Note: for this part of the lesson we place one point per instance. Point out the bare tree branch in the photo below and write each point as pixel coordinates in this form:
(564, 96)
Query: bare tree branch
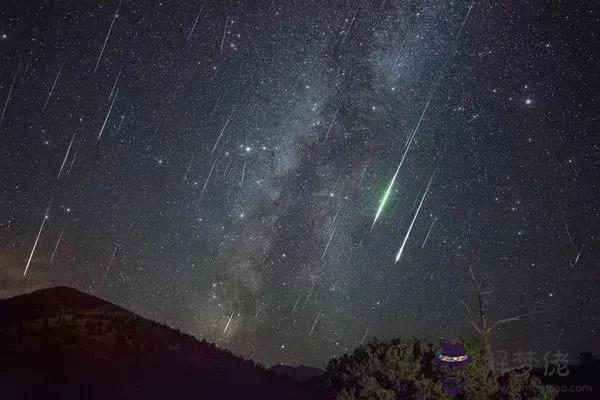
(470, 319)
(474, 326)
(468, 310)
(477, 284)
(515, 318)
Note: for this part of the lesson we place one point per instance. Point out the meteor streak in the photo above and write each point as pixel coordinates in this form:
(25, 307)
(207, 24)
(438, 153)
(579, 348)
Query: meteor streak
(462, 25)
(362, 174)
(222, 130)
(37, 238)
(315, 323)
(107, 35)
(362, 239)
(226, 168)
(332, 123)
(228, 322)
(308, 297)
(120, 124)
(195, 22)
(329, 241)
(208, 177)
(57, 243)
(413, 220)
(224, 32)
(296, 304)
(108, 114)
(66, 156)
(428, 232)
(75, 155)
(349, 27)
(389, 189)
(364, 336)
(111, 260)
(9, 93)
(115, 84)
(565, 223)
(54, 84)
(243, 173)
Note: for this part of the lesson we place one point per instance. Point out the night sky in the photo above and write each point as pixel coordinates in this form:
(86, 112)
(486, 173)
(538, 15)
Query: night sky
(218, 167)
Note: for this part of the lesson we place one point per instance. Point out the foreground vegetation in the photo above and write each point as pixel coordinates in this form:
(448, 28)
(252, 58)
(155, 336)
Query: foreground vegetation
(404, 370)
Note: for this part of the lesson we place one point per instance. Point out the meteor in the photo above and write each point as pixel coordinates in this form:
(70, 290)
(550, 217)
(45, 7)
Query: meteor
(308, 297)
(9, 93)
(296, 304)
(115, 84)
(107, 35)
(208, 177)
(362, 174)
(54, 84)
(57, 243)
(111, 260)
(462, 25)
(315, 323)
(108, 114)
(195, 22)
(226, 168)
(364, 336)
(224, 32)
(391, 185)
(414, 219)
(66, 156)
(222, 130)
(37, 238)
(349, 27)
(329, 241)
(120, 124)
(565, 223)
(228, 322)
(75, 155)
(428, 232)
(332, 123)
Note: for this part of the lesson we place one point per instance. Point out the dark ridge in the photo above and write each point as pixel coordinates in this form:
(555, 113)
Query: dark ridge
(60, 343)
(50, 302)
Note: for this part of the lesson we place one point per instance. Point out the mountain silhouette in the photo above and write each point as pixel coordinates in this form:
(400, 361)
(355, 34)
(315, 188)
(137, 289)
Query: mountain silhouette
(60, 343)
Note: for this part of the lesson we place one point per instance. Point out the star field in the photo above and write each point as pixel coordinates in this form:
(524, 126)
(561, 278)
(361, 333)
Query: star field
(218, 167)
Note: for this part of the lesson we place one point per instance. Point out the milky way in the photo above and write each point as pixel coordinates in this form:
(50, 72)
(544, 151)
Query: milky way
(218, 167)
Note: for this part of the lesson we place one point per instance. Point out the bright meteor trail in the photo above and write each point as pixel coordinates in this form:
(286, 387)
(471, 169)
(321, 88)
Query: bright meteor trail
(222, 131)
(413, 220)
(37, 238)
(391, 185)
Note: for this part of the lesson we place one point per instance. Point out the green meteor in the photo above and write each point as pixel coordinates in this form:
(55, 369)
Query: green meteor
(410, 140)
(386, 195)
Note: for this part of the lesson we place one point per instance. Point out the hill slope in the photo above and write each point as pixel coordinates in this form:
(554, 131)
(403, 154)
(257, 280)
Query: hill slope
(62, 343)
